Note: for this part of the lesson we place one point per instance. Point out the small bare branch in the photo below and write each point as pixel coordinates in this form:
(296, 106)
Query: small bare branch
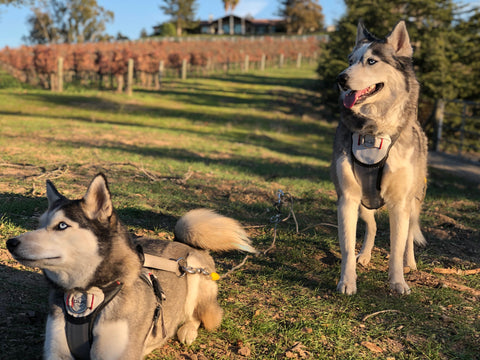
(235, 268)
(378, 313)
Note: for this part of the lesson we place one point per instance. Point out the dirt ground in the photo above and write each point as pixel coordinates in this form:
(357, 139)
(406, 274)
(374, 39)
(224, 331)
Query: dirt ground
(456, 165)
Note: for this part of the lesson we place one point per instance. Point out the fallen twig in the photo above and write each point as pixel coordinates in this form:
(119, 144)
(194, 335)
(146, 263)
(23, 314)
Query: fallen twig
(456, 271)
(272, 245)
(235, 267)
(187, 176)
(320, 224)
(378, 313)
(148, 174)
(18, 166)
(52, 174)
(458, 287)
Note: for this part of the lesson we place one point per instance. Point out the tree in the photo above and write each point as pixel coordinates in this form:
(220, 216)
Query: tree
(121, 37)
(15, 2)
(182, 13)
(85, 20)
(143, 34)
(230, 4)
(301, 16)
(67, 21)
(165, 29)
(42, 28)
(440, 38)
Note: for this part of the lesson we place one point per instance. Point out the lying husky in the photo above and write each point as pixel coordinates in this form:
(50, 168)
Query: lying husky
(108, 300)
(380, 153)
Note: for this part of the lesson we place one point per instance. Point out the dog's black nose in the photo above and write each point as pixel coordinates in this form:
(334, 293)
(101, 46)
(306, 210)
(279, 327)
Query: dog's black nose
(12, 244)
(342, 79)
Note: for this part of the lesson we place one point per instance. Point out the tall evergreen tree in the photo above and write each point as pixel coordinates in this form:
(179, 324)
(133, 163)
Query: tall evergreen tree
(301, 16)
(182, 13)
(439, 33)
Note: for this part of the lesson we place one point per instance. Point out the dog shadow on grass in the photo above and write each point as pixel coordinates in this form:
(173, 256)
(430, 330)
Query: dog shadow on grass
(23, 291)
(23, 312)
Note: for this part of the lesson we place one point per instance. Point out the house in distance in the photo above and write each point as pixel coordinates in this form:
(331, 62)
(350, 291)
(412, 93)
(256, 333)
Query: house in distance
(236, 25)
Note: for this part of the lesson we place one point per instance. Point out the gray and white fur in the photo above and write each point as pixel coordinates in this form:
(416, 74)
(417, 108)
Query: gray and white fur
(379, 98)
(81, 244)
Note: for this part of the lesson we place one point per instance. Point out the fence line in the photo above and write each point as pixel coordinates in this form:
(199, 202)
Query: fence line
(106, 63)
(125, 82)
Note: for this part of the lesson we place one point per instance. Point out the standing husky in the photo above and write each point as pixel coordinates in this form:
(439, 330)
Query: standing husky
(380, 153)
(104, 302)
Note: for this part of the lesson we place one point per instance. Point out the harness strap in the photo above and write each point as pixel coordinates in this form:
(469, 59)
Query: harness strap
(370, 179)
(161, 263)
(79, 329)
(369, 155)
(153, 282)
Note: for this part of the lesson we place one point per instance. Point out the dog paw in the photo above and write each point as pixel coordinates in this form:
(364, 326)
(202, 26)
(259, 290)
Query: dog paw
(412, 265)
(363, 259)
(187, 333)
(400, 287)
(348, 288)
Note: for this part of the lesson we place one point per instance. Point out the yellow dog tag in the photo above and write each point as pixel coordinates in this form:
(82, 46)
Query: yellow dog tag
(214, 276)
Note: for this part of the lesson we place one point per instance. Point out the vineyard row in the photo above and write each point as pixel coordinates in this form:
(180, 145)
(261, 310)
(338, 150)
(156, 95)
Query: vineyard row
(104, 63)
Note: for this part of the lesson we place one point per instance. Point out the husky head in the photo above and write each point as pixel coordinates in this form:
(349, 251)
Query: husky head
(79, 243)
(380, 79)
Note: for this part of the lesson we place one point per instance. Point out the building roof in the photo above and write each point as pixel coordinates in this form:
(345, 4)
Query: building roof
(248, 19)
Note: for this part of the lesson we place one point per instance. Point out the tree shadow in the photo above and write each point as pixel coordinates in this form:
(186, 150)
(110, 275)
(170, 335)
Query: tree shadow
(142, 116)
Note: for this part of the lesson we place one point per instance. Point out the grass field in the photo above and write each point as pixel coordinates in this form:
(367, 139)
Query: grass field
(230, 144)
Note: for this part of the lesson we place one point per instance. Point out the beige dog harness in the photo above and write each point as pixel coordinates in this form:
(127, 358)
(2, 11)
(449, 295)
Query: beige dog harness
(83, 307)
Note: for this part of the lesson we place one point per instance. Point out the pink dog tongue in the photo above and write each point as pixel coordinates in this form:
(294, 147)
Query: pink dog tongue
(351, 98)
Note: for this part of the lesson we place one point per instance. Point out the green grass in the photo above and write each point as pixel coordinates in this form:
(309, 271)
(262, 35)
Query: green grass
(230, 143)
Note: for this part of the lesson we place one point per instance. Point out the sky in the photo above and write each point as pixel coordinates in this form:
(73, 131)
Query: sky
(133, 16)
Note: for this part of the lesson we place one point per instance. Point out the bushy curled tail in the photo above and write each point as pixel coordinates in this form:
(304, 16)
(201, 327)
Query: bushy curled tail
(414, 228)
(418, 237)
(205, 229)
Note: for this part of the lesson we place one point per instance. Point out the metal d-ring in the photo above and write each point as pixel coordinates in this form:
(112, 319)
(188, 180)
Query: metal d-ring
(190, 270)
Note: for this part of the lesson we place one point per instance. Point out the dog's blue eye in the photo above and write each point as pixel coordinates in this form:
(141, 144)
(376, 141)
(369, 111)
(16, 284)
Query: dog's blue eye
(62, 226)
(371, 61)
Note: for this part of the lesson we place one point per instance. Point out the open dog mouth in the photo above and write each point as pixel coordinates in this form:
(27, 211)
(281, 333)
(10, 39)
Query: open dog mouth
(353, 97)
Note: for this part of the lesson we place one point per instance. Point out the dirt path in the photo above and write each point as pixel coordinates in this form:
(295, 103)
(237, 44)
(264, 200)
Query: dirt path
(456, 165)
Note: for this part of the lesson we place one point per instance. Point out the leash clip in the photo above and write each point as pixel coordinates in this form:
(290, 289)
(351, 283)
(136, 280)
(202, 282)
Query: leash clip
(182, 263)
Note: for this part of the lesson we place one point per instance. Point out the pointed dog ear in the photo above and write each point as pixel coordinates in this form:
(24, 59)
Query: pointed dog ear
(52, 194)
(400, 40)
(97, 202)
(361, 32)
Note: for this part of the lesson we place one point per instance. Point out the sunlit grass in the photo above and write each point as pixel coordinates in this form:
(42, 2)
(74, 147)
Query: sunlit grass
(230, 143)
